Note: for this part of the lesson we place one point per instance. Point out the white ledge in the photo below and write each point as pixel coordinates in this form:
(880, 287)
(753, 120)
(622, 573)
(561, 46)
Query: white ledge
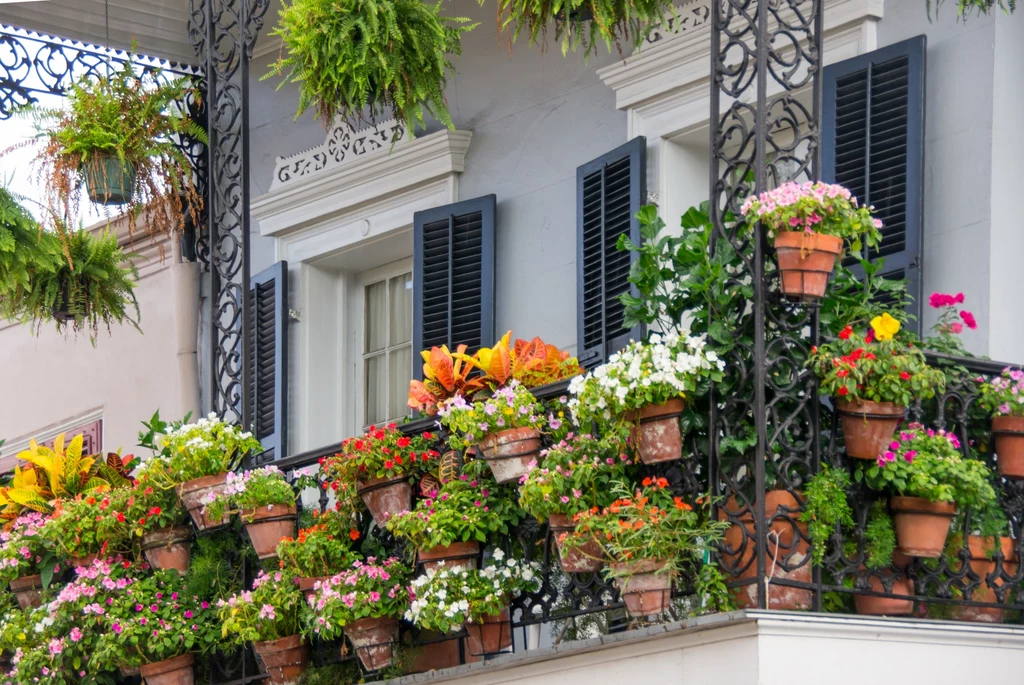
(683, 59)
(328, 193)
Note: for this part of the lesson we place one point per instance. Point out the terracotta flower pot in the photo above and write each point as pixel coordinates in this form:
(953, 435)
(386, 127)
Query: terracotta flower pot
(491, 635)
(868, 427)
(1009, 435)
(373, 640)
(306, 584)
(28, 590)
(86, 560)
(982, 550)
(787, 552)
(806, 261)
(458, 555)
(176, 671)
(921, 526)
(585, 558)
(168, 548)
(645, 591)
(285, 659)
(267, 525)
(887, 606)
(510, 452)
(434, 652)
(385, 497)
(191, 494)
(657, 435)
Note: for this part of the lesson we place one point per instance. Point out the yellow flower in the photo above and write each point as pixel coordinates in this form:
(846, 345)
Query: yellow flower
(885, 327)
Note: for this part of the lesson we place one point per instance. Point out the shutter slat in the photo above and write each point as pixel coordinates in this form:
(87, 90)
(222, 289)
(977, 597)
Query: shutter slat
(268, 361)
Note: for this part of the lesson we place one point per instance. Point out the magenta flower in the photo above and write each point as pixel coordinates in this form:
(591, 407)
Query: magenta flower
(969, 319)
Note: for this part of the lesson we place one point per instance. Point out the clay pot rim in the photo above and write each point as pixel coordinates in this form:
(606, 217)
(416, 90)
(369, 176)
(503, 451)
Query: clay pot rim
(654, 412)
(905, 504)
(461, 551)
(503, 616)
(870, 409)
(372, 484)
(744, 513)
(977, 549)
(173, 534)
(32, 582)
(282, 644)
(530, 433)
(653, 566)
(798, 240)
(265, 514)
(561, 522)
(167, 665)
(203, 482)
(1008, 425)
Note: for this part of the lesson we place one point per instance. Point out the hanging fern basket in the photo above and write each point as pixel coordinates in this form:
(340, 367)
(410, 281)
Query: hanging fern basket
(62, 305)
(108, 180)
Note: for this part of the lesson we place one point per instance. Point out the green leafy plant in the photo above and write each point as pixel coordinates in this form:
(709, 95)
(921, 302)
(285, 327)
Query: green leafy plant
(826, 508)
(137, 118)
(816, 207)
(86, 525)
(207, 447)
(22, 549)
(573, 476)
(650, 523)
(271, 611)
(879, 537)
(368, 590)
(169, 623)
(1004, 395)
(510, 407)
(94, 285)
(246, 492)
(212, 571)
(585, 23)
(147, 506)
(322, 549)
(670, 365)
(965, 8)
(853, 300)
(446, 599)
(383, 452)
(879, 366)
(926, 463)
(356, 57)
(462, 511)
(26, 252)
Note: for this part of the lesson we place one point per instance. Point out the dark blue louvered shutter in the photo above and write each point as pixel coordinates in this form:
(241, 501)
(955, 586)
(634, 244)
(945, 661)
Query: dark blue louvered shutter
(268, 361)
(609, 192)
(873, 143)
(453, 277)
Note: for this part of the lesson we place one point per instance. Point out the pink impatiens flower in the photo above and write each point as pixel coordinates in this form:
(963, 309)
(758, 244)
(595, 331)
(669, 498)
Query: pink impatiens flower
(969, 319)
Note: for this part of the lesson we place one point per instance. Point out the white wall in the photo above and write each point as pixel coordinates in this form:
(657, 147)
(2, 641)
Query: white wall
(535, 117)
(51, 379)
(958, 155)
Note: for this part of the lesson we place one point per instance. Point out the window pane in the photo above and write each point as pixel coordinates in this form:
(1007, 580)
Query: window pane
(401, 309)
(376, 316)
(399, 376)
(375, 389)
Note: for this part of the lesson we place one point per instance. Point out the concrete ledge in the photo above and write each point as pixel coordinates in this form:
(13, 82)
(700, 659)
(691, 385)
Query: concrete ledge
(759, 648)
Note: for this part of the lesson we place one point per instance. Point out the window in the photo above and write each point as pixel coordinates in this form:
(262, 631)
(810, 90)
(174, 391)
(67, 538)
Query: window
(386, 345)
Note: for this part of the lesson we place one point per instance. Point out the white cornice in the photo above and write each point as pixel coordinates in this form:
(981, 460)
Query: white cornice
(683, 59)
(331, 192)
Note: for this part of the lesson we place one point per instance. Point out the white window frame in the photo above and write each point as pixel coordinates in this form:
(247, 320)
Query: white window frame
(357, 312)
(331, 220)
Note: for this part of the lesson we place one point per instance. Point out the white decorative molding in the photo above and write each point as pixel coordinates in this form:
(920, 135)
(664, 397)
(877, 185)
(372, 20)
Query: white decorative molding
(689, 16)
(343, 145)
(680, 59)
(366, 177)
(12, 447)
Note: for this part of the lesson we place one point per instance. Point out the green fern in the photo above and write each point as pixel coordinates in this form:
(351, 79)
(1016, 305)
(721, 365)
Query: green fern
(27, 254)
(351, 57)
(584, 23)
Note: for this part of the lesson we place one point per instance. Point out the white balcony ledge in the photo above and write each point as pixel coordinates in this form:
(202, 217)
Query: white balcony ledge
(763, 648)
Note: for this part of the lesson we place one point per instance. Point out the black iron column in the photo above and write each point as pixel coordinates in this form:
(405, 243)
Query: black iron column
(223, 33)
(765, 130)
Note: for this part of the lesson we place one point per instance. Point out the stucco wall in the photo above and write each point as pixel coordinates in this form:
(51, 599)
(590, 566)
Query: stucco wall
(959, 106)
(535, 117)
(50, 379)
